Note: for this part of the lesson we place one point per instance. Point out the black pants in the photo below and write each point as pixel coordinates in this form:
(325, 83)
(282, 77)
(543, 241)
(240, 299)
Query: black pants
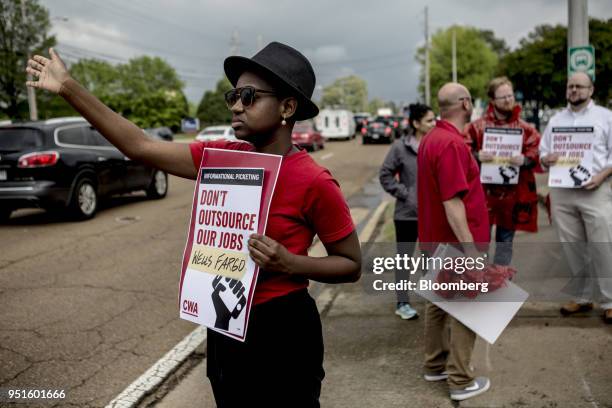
(406, 233)
(281, 362)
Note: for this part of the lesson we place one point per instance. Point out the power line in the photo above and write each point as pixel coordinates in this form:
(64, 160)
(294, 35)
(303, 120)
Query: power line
(83, 53)
(146, 19)
(161, 52)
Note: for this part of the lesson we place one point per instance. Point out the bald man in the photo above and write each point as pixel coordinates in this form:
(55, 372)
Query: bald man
(583, 214)
(451, 209)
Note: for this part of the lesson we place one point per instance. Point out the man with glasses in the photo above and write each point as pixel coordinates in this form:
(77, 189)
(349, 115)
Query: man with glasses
(583, 214)
(512, 207)
(451, 209)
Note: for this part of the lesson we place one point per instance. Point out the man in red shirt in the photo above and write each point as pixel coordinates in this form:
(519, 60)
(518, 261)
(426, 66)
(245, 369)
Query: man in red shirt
(451, 208)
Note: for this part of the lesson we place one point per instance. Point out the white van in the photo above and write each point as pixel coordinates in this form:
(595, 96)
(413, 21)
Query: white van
(336, 123)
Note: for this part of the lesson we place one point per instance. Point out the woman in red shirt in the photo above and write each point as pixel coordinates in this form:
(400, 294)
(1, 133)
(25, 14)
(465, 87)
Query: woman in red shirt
(281, 361)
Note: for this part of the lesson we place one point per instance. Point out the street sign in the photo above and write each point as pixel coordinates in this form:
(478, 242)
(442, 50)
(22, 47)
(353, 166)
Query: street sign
(581, 59)
(190, 125)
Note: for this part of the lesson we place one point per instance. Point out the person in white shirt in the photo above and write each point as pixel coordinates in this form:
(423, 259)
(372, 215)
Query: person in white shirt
(584, 214)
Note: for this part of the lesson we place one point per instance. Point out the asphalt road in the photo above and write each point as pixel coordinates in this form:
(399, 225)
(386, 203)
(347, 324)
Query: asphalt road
(88, 307)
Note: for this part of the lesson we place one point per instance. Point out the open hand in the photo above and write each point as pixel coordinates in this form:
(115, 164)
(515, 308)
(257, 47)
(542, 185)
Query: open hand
(51, 73)
(269, 254)
(595, 181)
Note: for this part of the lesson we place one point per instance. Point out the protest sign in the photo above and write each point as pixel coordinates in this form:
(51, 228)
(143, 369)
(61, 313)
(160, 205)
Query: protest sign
(231, 202)
(488, 314)
(503, 144)
(575, 165)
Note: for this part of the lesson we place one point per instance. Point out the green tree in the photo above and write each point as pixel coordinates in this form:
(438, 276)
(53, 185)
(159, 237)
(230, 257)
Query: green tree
(149, 93)
(350, 92)
(212, 109)
(497, 44)
(18, 37)
(600, 34)
(147, 75)
(476, 61)
(146, 90)
(99, 77)
(538, 67)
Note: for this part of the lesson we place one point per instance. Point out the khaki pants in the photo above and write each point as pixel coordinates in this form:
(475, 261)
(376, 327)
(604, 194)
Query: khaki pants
(455, 358)
(585, 217)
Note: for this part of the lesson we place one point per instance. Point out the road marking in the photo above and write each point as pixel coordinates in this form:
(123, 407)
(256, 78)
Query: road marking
(326, 156)
(368, 230)
(158, 373)
(585, 385)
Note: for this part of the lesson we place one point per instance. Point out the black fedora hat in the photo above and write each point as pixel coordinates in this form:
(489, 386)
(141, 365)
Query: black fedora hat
(285, 65)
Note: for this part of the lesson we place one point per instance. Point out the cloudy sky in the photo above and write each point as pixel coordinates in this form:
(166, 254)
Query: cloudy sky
(375, 39)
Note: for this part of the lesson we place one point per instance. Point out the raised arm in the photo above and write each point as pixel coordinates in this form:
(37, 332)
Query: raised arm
(52, 75)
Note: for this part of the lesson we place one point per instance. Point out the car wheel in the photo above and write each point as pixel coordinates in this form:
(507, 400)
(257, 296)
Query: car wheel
(159, 185)
(84, 201)
(314, 147)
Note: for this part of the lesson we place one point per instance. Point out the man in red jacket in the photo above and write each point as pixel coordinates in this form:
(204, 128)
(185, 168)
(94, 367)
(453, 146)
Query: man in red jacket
(511, 207)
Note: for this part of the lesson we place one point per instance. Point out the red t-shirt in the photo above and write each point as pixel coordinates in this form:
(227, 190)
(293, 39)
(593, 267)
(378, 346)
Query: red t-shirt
(446, 168)
(307, 201)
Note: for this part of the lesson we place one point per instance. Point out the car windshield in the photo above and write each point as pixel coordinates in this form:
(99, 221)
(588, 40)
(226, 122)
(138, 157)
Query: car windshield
(212, 132)
(14, 140)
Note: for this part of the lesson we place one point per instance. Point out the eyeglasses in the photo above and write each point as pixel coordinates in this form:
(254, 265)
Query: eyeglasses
(505, 97)
(246, 94)
(578, 87)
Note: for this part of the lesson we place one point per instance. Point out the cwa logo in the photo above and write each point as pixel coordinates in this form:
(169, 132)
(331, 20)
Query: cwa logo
(190, 307)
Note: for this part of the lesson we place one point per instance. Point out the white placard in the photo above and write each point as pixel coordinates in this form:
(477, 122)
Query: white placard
(575, 165)
(220, 273)
(503, 144)
(488, 314)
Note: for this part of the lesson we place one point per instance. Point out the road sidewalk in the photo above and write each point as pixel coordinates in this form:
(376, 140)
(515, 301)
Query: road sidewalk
(374, 359)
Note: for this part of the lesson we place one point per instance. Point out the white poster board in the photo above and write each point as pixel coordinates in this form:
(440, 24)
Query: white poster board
(220, 273)
(575, 148)
(488, 314)
(503, 144)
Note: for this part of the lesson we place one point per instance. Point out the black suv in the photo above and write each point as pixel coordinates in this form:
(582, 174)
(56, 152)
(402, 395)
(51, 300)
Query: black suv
(64, 163)
(379, 130)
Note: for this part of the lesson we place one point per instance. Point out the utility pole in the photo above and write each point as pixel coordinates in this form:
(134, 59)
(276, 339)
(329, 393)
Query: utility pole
(31, 92)
(454, 55)
(427, 80)
(235, 43)
(578, 23)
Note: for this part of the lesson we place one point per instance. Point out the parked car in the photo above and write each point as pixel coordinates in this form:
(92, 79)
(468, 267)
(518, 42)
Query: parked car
(211, 133)
(306, 135)
(64, 163)
(164, 133)
(361, 120)
(336, 124)
(378, 130)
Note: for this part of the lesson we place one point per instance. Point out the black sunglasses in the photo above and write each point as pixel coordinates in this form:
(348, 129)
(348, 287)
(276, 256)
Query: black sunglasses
(246, 94)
